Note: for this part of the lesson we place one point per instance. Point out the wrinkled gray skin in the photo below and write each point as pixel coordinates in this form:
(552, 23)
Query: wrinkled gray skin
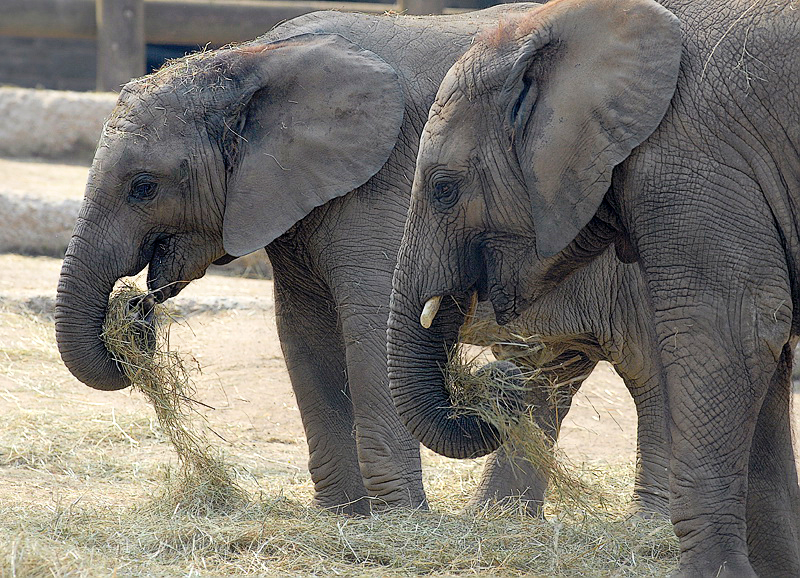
(673, 136)
(599, 313)
(230, 151)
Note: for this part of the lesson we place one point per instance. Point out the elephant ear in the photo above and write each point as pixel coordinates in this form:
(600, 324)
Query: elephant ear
(319, 117)
(592, 79)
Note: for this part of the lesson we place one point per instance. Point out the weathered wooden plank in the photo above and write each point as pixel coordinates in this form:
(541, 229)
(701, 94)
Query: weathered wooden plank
(169, 21)
(48, 18)
(120, 42)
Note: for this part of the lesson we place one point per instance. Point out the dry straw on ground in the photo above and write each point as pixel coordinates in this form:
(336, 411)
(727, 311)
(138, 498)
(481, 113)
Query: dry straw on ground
(499, 400)
(88, 507)
(283, 536)
(141, 348)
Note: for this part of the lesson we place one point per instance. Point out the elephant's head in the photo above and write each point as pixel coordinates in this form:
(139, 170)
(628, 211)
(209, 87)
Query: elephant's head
(513, 167)
(218, 153)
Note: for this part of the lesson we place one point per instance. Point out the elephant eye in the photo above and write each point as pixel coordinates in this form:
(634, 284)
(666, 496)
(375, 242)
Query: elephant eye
(143, 188)
(445, 193)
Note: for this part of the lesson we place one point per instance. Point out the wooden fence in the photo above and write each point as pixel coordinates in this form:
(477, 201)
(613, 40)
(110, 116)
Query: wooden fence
(123, 28)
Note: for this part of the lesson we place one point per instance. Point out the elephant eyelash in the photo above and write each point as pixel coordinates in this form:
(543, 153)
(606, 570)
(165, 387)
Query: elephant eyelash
(143, 188)
(445, 191)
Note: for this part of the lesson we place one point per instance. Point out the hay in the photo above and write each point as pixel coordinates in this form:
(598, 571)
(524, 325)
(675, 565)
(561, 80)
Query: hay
(78, 483)
(495, 399)
(282, 536)
(141, 347)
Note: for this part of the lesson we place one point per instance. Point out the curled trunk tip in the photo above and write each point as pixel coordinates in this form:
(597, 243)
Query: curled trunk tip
(417, 358)
(79, 313)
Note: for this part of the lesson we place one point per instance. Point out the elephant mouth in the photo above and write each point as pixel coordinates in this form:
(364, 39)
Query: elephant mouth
(486, 287)
(160, 283)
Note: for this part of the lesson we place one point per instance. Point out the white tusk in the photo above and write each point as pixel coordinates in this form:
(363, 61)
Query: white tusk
(429, 311)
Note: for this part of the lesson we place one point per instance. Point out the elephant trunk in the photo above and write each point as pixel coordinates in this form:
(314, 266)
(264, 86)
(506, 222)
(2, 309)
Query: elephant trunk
(81, 304)
(418, 359)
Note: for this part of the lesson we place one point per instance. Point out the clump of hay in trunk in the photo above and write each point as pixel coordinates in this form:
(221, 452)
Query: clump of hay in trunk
(141, 348)
(495, 398)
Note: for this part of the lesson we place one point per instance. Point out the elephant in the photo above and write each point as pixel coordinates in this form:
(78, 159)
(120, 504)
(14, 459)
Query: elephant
(303, 142)
(668, 134)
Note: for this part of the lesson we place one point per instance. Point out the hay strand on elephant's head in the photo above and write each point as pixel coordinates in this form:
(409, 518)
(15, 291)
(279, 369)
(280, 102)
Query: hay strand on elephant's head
(141, 348)
(486, 395)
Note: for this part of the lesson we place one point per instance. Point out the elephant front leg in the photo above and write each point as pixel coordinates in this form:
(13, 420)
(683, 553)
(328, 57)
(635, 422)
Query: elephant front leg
(388, 455)
(719, 358)
(711, 427)
(509, 474)
(315, 358)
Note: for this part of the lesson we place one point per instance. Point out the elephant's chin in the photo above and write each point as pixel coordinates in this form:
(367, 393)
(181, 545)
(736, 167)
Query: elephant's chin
(167, 274)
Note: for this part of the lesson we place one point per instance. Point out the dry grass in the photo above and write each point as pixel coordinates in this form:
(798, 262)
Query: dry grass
(280, 535)
(499, 399)
(91, 501)
(142, 350)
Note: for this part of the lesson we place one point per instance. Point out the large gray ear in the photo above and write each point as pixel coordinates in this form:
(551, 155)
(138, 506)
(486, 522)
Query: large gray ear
(592, 80)
(320, 118)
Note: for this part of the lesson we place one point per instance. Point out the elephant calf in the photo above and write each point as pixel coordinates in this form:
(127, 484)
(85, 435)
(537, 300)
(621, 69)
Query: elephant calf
(302, 141)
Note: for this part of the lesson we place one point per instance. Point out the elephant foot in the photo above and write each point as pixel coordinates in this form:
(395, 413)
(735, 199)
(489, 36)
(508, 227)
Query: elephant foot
(372, 499)
(649, 507)
(407, 500)
(527, 506)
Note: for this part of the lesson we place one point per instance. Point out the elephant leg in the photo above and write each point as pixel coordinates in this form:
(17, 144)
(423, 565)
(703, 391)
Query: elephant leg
(651, 482)
(720, 347)
(388, 455)
(509, 474)
(711, 430)
(507, 477)
(315, 358)
(773, 496)
(721, 298)
(640, 370)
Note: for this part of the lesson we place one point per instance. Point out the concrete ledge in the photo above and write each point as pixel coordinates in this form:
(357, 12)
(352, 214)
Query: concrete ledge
(39, 203)
(52, 124)
(35, 226)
